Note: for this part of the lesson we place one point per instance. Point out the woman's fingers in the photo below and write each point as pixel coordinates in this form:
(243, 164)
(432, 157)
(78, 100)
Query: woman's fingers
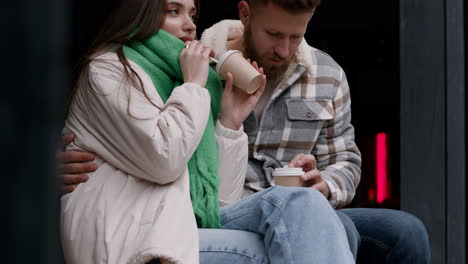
(194, 62)
(255, 65)
(261, 89)
(199, 47)
(195, 47)
(229, 82)
(212, 53)
(206, 51)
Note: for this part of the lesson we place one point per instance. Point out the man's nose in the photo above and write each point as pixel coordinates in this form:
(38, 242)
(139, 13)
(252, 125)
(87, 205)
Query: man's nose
(282, 48)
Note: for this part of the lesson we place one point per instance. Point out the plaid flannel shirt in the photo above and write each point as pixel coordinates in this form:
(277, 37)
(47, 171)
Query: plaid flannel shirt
(309, 112)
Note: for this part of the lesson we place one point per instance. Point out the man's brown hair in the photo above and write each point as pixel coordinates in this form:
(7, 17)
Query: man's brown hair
(293, 6)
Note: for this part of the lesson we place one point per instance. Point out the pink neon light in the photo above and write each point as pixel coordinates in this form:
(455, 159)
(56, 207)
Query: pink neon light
(381, 167)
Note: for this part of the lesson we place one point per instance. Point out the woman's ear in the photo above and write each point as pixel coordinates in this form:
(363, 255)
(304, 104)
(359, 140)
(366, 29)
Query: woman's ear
(244, 12)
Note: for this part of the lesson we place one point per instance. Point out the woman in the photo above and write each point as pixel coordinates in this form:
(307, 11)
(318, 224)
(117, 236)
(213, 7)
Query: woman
(144, 127)
(154, 120)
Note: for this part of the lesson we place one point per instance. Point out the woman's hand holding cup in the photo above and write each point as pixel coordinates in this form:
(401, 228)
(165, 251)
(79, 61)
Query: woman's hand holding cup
(194, 62)
(236, 104)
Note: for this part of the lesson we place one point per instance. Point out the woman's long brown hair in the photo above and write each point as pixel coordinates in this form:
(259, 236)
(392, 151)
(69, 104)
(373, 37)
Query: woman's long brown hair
(128, 15)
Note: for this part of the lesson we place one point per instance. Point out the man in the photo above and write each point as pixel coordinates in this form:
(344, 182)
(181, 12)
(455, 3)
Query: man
(303, 120)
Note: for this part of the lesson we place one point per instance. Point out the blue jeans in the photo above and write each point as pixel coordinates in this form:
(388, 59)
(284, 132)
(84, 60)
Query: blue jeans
(354, 238)
(385, 236)
(283, 224)
(224, 246)
(389, 236)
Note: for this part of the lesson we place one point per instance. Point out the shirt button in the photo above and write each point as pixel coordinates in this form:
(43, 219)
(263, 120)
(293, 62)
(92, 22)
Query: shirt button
(309, 114)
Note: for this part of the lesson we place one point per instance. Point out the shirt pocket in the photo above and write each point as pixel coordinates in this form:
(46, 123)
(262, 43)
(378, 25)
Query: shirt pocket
(310, 110)
(304, 120)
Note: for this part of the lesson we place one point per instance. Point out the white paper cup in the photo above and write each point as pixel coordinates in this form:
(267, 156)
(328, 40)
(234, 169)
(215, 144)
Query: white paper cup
(246, 77)
(289, 177)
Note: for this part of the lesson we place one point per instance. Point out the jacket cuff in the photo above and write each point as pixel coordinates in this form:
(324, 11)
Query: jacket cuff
(333, 193)
(227, 132)
(197, 87)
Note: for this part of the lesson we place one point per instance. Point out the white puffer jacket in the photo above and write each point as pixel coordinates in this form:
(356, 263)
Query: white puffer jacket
(136, 206)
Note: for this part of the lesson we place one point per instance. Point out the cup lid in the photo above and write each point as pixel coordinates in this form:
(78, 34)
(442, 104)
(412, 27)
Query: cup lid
(285, 171)
(223, 57)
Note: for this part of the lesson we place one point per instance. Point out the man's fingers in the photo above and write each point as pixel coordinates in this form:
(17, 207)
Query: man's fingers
(75, 156)
(307, 159)
(294, 161)
(307, 162)
(312, 177)
(64, 189)
(72, 179)
(69, 182)
(67, 139)
(302, 159)
(77, 168)
(322, 187)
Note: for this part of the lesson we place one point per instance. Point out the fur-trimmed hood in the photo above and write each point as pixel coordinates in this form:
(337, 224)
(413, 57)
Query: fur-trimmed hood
(217, 36)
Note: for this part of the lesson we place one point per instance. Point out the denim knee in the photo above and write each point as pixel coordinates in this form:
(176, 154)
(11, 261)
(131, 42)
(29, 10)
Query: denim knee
(305, 202)
(414, 235)
(354, 239)
(297, 197)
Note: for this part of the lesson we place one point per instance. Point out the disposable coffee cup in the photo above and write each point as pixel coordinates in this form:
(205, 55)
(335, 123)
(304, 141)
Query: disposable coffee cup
(289, 177)
(246, 77)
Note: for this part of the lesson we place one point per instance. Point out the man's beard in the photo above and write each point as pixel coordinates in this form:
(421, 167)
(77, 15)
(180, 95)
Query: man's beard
(271, 71)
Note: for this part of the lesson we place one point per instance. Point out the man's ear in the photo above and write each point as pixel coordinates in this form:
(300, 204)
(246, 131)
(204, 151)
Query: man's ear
(244, 12)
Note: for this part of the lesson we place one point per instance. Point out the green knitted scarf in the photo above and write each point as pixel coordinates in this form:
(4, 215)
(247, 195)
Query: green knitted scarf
(158, 56)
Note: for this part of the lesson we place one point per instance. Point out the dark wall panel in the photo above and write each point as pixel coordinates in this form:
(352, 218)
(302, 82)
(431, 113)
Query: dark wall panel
(422, 117)
(456, 130)
(433, 122)
(34, 74)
